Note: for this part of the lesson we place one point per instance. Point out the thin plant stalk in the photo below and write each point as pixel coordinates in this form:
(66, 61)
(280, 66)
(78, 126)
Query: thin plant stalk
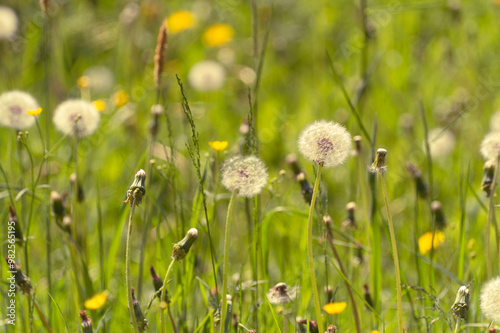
(491, 218)
(229, 218)
(162, 297)
(127, 269)
(394, 253)
(310, 250)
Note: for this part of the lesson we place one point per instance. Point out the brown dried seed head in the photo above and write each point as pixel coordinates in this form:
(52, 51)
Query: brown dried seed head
(160, 51)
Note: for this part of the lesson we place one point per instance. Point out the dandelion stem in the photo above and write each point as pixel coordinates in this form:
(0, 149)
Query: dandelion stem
(310, 250)
(457, 326)
(127, 268)
(162, 297)
(230, 209)
(394, 253)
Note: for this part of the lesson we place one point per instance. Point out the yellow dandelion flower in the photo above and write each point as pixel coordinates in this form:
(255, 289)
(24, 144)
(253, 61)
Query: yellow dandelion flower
(335, 307)
(218, 34)
(375, 331)
(34, 112)
(120, 98)
(83, 82)
(218, 145)
(424, 241)
(180, 20)
(100, 105)
(96, 301)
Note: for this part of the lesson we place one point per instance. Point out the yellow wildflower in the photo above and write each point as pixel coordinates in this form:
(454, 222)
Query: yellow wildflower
(218, 34)
(34, 112)
(424, 241)
(180, 20)
(100, 105)
(218, 145)
(83, 82)
(335, 307)
(120, 98)
(96, 301)
(375, 331)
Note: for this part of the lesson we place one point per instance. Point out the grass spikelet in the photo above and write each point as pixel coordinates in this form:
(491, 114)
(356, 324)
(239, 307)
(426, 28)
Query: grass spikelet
(160, 52)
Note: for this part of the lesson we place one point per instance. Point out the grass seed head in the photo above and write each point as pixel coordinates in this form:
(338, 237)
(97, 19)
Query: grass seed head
(14, 107)
(245, 174)
(160, 52)
(325, 142)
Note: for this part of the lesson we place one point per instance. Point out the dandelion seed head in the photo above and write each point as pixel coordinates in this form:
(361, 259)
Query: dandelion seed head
(325, 142)
(490, 146)
(281, 294)
(489, 300)
(101, 79)
(14, 107)
(207, 75)
(441, 143)
(245, 174)
(76, 117)
(8, 23)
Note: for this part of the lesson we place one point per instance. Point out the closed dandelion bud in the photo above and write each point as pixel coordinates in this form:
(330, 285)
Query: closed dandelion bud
(156, 112)
(292, 160)
(378, 166)
(252, 331)
(325, 142)
(350, 221)
(182, 248)
(281, 294)
(368, 296)
(306, 188)
(158, 283)
(327, 220)
(461, 304)
(329, 294)
(80, 194)
(57, 205)
(13, 222)
(422, 188)
(332, 329)
(488, 175)
(137, 190)
(437, 212)
(313, 325)
(492, 330)
(22, 281)
(142, 323)
(357, 145)
(228, 310)
(247, 175)
(66, 223)
(86, 322)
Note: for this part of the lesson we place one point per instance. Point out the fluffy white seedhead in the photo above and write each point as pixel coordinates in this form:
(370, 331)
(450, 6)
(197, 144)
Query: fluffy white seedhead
(206, 76)
(101, 78)
(8, 23)
(490, 146)
(495, 121)
(441, 143)
(245, 174)
(67, 112)
(325, 142)
(281, 294)
(490, 299)
(13, 107)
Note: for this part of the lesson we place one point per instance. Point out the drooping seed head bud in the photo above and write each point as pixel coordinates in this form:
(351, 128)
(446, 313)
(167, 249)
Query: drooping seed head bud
(332, 329)
(367, 294)
(182, 248)
(22, 281)
(14, 222)
(156, 112)
(327, 220)
(57, 205)
(74, 181)
(281, 294)
(137, 190)
(422, 188)
(488, 175)
(292, 160)
(461, 304)
(86, 322)
(313, 325)
(350, 221)
(142, 323)
(437, 212)
(329, 293)
(158, 283)
(357, 145)
(306, 188)
(378, 166)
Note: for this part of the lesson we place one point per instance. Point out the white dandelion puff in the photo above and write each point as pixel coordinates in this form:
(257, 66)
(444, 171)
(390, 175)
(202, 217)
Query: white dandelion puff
(76, 117)
(245, 174)
(490, 146)
(207, 76)
(325, 142)
(441, 143)
(281, 294)
(490, 299)
(8, 23)
(101, 78)
(14, 105)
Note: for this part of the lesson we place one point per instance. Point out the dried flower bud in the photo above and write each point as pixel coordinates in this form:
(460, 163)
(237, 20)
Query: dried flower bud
(329, 294)
(13, 222)
(378, 166)
(437, 212)
(461, 304)
(313, 325)
(22, 281)
(357, 145)
(368, 296)
(156, 112)
(86, 322)
(492, 330)
(73, 179)
(306, 188)
(158, 284)
(182, 248)
(57, 206)
(488, 175)
(281, 294)
(332, 329)
(137, 190)
(422, 188)
(350, 221)
(142, 323)
(292, 160)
